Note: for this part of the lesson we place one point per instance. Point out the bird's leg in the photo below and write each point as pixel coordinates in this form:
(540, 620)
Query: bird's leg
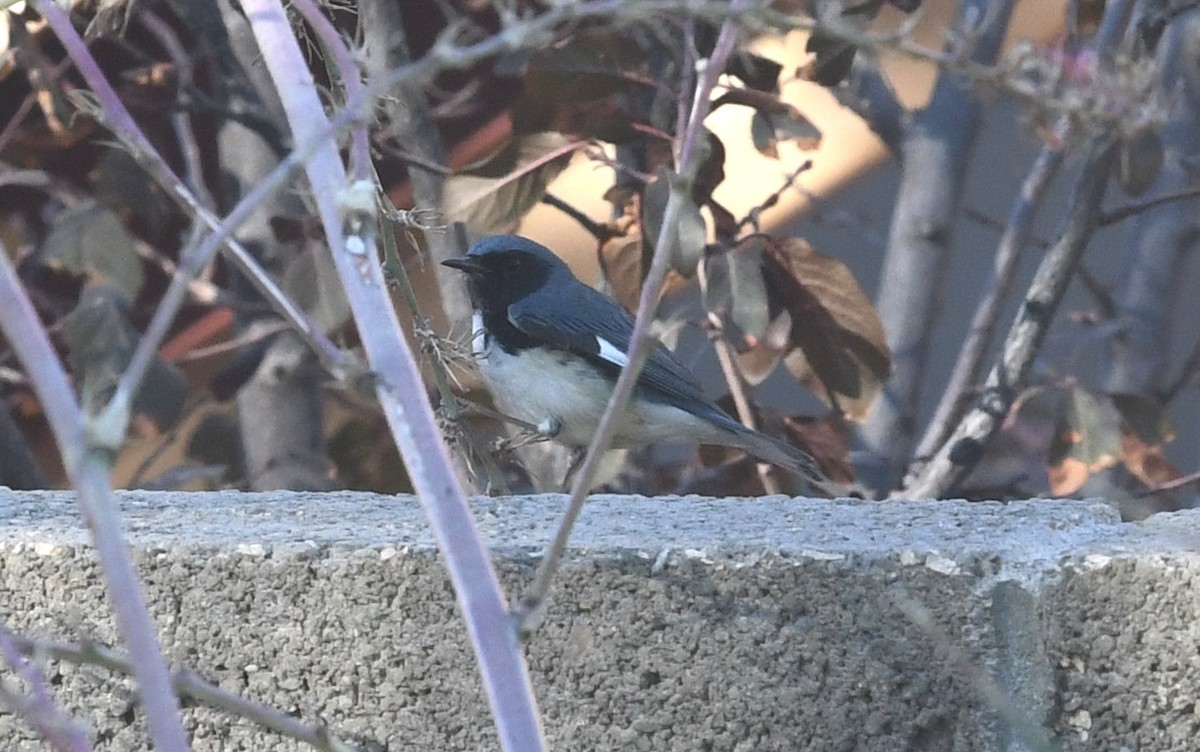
(546, 430)
(576, 461)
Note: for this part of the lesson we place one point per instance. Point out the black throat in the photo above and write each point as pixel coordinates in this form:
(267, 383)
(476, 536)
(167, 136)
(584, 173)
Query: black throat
(504, 283)
(500, 331)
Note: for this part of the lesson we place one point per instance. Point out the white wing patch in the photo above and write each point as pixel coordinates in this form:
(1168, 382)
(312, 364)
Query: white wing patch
(611, 352)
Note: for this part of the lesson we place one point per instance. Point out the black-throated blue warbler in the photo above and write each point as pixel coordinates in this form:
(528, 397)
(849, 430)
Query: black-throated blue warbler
(551, 348)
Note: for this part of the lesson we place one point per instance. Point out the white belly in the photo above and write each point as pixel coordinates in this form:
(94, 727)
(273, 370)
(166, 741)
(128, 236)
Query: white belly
(575, 399)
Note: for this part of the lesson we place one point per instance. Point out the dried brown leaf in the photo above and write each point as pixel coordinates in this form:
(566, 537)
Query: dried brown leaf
(841, 351)
(576, 86)
(1145, 430)
(774, 121)
(735, 293)
(100, 341)
(1146, 417)
(758, 362)
(1087, 440)
(827, 440)
(89, 240)
(689, 235)
(590, 65)
(492, 196)
(1146, 461)
(624, 258)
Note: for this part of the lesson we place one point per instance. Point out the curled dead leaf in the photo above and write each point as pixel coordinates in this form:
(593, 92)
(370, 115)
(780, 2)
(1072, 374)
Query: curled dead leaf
(100, 341)
(90, 240)
(1147, 462)
(735, 293)
(840, 350)
(1145, 430)
(827, 440)
(687, 237)
(624, 258)
(774, 121)
(759, 361)
(1087, 440)
(492, 195)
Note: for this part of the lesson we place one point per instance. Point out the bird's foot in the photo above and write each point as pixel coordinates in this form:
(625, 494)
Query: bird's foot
(550, 427)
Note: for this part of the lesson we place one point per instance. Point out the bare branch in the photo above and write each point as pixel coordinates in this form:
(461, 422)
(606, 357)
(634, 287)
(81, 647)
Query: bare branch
(88, 471)
(39, 708)
(959, 453)
(936, 150)
(1165, 232)
(966, 370)
(1122, 213)
(528, 611)
(345, 208)
(189, 685)
(593, 228)
(1172, 485)
(751, 220)
(738, 390)
(410, 123)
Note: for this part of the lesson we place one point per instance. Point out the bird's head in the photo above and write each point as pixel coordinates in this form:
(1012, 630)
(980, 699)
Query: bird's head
(506, 268)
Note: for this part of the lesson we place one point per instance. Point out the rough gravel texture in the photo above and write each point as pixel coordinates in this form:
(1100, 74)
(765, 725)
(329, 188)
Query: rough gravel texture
(678, 624)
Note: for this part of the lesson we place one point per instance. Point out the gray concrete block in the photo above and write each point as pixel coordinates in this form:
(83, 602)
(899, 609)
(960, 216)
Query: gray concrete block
(678, 624)
(1122, 625)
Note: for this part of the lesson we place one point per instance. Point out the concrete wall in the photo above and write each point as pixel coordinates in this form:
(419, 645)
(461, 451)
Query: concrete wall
(679, 624)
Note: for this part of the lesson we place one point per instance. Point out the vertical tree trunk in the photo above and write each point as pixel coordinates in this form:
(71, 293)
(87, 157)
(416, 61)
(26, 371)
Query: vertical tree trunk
(1161, 238)
(936, 150)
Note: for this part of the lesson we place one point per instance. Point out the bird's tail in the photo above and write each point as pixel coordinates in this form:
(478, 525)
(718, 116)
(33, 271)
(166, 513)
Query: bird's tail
(784, 455)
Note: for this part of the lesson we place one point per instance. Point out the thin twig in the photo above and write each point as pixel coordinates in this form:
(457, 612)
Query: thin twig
(528, 611)
(345, 208)
(163, 444)
(737, 387)
(964, 448)
(1122, 213)
(189, 685)
(745, 414)
(88, 470)
(753, 216)
(47, 718)
(14, 122)
(970, 360)
(393, 269)
(1170, 485)
(184, 135)
(594, 228)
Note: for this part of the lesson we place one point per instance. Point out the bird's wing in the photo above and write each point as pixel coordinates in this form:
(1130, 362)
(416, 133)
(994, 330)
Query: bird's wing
(591, 325)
